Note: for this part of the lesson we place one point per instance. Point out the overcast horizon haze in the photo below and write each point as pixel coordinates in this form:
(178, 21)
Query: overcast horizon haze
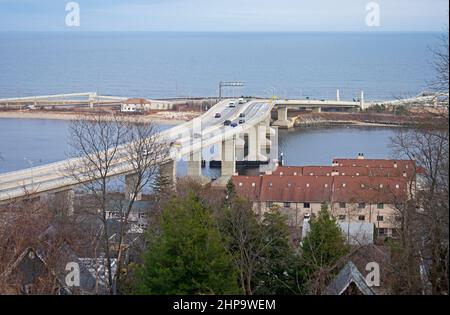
(225, 16)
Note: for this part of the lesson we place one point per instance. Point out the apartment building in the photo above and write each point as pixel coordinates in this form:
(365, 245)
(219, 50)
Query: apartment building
(355, 190)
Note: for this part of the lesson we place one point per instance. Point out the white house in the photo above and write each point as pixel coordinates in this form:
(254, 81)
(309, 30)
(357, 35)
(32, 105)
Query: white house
(136, 105)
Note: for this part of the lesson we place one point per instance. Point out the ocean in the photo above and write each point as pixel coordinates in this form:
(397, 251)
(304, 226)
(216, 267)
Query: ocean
(163, 65)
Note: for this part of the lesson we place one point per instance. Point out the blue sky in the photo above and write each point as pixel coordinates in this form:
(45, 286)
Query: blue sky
(224, 15)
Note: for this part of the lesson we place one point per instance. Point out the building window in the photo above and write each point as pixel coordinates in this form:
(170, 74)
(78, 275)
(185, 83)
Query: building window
(287, 204)
(342, 205)
(379, 218)
(269, 204)
(341, 217)
(380, 206)
(362, 205)
(306, 205)
(381, 232)
(361, 218)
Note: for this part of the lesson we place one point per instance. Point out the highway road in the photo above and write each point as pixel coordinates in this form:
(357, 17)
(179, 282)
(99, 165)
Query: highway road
(52, 177)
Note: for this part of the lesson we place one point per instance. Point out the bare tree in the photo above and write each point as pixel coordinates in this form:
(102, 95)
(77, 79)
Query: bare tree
(145, 150)
(95, 148)
(104, 147)
(424, 229)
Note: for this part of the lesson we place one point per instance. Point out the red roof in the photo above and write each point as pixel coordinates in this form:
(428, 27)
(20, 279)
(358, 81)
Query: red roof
(296, 188)
(248, 186)
(351, 189)
(376, 163)
(358, 189)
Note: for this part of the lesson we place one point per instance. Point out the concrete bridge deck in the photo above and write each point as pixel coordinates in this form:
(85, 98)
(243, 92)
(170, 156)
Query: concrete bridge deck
(54, 177)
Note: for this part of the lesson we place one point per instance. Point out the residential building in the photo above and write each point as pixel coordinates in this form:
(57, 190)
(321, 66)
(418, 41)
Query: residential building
(355, 190)
(137, 105)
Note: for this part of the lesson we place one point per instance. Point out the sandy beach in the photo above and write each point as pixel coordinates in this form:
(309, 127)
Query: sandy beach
(69, 116)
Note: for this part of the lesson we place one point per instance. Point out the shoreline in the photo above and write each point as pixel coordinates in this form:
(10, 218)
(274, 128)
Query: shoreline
(67, 116)
(347, 123)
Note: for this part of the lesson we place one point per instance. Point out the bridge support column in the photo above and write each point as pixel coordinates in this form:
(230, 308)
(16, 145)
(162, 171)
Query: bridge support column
(282, 119)
(240, 148)
(228, 162)
(256, 140)
(64, 202)
(131, 181)
(228, 157)
(194, 169)
(168, 173)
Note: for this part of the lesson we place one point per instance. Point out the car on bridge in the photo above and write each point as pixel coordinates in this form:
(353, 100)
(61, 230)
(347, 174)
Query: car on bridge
(241, 121)
(234, 125)
(232, 103)
(217, 115)
(227, 122)
(242, 115)
(242, 100)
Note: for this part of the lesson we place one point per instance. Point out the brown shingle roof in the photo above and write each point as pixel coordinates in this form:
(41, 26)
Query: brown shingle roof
(351, 189)
(295, 188)
(248, 186)
(356, 189)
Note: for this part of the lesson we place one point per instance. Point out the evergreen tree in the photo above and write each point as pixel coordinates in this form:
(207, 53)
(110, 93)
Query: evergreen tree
(278, 273)
(322, 248)
(186, 256)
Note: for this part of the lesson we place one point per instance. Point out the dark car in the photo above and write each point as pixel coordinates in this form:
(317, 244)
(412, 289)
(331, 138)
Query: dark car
(241, 121)
(218, 115)
(227, 122)
(241, 115)
(234, 125)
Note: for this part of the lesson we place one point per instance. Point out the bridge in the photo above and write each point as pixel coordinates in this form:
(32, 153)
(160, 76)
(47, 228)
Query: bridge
(193, 136)
(70, 99)
(282, 106)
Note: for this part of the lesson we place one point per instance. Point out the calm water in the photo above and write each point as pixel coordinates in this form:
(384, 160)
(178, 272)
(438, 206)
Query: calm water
(34, 141)
(318, 146)
(385, 65)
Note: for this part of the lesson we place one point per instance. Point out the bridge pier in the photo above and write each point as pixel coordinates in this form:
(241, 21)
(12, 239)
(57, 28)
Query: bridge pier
(256, 140)
(64, 202)
(168, 173)
(228, 162)
(131, 181)
(282, 118)
(194, 168)
(240, 148)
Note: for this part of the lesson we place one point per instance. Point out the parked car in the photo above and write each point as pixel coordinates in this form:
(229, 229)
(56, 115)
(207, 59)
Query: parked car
(227, 122)
(218, 115)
